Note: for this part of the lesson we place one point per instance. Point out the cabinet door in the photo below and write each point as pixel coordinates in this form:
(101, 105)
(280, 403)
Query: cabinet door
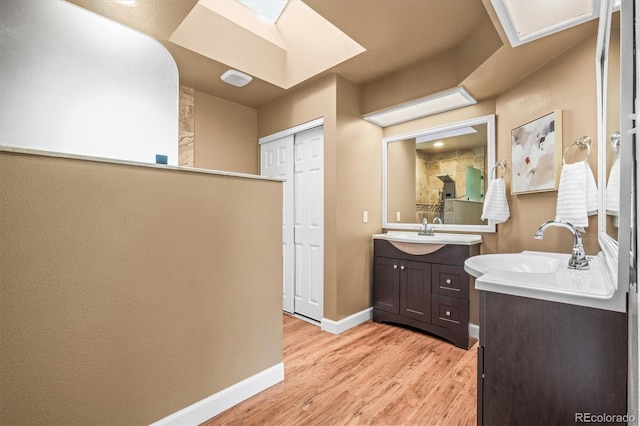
(386, 284)
(547, 362)
(415, 290)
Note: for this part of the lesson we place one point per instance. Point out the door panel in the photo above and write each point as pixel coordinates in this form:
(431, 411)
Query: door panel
(386, 290)
(308, 218)
(276, 160)
(415, 290)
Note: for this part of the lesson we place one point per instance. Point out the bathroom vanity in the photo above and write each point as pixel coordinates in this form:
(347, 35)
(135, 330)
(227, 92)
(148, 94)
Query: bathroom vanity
(542, 362)
(421, 282)
(553, 340)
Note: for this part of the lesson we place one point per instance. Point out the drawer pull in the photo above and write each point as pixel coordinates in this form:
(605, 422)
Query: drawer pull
(448, 313)
(448, 280)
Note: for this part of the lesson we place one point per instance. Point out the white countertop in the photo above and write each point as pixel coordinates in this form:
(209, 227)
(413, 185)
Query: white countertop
(437, 238)
(555, 282)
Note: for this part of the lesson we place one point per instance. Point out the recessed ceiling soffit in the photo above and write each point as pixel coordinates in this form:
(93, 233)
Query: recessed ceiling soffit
(300, 45)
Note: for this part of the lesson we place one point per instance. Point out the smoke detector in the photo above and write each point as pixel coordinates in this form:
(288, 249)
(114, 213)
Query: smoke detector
(236, 78)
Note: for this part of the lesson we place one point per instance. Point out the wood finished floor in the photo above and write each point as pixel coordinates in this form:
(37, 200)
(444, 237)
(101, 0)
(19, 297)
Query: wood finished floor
(373, 374)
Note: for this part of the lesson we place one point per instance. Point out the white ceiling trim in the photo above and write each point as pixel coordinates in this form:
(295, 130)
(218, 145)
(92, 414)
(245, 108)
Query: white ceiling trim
(526, 21)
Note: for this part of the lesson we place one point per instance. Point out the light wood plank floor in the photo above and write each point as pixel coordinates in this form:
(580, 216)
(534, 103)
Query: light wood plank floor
(373, 374)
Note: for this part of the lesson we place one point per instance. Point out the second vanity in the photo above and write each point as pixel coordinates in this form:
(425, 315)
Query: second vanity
(420, 281)
(553, 340)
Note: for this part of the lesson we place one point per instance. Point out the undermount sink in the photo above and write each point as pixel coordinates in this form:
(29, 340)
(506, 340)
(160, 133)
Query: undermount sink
(515, 262)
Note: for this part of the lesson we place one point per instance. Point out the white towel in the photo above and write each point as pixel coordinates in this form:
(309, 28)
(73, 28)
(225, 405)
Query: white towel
(577, 194)
(495, 205)
(613, 192)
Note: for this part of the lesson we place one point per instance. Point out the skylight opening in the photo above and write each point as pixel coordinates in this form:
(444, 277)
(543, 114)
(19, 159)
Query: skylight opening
(268, 10)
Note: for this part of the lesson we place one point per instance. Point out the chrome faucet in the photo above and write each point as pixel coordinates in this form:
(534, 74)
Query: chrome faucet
(578, 259)
(425, 229)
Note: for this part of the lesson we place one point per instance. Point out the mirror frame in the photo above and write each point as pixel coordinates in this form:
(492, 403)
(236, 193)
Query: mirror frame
(489, 120)
(608, 245)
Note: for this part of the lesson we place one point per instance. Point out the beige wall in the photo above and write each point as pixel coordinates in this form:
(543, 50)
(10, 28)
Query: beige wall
(125, 292)
(226, 135)
(568, 84)
(358, 183)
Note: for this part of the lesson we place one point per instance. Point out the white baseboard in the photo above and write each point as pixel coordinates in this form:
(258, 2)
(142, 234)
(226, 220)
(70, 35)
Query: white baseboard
(474, 331)
(217, 403)
(337, 327)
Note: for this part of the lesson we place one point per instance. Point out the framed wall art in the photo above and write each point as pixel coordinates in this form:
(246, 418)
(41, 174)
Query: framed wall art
(536, 154)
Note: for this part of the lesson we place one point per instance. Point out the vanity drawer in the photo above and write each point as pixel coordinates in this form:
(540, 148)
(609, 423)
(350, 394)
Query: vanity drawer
(451, 281)
(449, 312)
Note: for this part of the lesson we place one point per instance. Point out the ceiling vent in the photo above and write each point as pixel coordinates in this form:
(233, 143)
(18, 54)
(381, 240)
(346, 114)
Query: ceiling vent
(236, 78)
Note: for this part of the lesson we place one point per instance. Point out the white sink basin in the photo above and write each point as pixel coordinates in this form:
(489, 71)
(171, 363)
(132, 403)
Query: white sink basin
(516, 262)
(542, 275)
(437, 238)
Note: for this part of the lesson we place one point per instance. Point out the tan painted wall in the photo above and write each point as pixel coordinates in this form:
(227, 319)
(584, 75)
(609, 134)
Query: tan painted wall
(567, 83)
(125, 292)
(358, 188)
(226, 136)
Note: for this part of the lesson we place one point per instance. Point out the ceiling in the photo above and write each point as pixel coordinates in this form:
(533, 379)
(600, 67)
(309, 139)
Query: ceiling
(386, 38)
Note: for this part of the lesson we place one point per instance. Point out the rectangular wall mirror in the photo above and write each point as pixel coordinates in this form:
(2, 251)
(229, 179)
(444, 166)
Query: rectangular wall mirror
(442, 173)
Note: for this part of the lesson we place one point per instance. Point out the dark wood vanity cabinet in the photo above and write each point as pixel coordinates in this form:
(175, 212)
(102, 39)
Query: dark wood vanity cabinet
(429, 292)
(549, 363)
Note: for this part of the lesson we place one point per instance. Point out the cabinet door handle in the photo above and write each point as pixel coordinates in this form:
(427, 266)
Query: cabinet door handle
(395, 266)
(448, 280)
(402, 267)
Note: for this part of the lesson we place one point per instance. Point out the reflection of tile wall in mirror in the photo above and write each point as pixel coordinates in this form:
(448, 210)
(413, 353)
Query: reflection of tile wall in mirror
(429, 188)
(431, 156)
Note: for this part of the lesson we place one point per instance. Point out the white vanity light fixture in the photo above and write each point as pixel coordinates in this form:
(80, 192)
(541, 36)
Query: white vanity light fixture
(525, 21)
(236, 78)
(440, 102)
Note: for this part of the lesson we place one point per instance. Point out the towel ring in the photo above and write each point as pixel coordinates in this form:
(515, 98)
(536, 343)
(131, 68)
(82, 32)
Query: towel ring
(583, 143)
(502, 164)
(615, 141)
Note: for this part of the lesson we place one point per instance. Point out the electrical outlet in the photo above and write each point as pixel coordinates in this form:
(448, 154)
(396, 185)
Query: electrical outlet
(397, 216)
(365, 217)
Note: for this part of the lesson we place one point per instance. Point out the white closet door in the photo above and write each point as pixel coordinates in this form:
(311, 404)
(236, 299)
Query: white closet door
(276, 160)
(308, 223)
